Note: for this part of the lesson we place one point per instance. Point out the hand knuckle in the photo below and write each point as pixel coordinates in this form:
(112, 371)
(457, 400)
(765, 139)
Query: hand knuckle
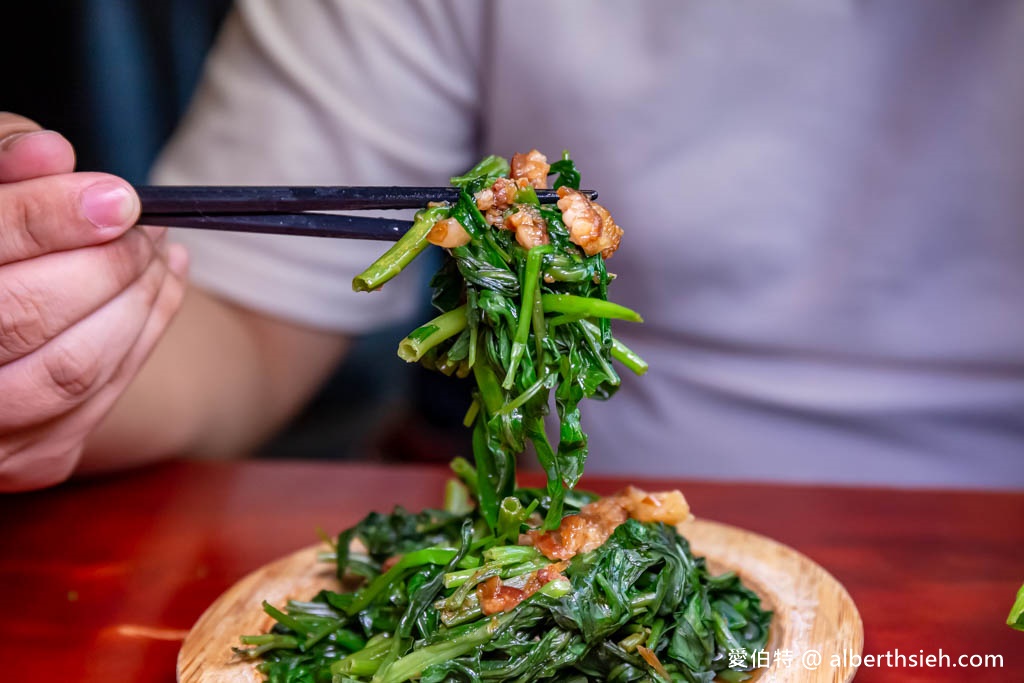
(127, 256)
(72, 371)
(22, 321)
(21, 220)
(154, 283)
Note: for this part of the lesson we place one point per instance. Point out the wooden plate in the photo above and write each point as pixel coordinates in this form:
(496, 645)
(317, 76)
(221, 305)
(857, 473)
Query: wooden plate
(813, 612)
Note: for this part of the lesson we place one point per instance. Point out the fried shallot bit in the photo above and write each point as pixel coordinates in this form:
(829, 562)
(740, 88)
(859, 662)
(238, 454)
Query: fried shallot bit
(590, 225)
(448, 233)
(531, 229)
(596, 521)
(532, 167)
(497, 596)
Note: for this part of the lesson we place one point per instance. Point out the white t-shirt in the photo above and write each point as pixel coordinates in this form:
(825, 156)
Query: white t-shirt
(823, 204)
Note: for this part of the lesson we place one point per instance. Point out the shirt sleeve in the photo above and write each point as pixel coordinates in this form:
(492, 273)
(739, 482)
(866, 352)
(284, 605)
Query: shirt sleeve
(325, 93)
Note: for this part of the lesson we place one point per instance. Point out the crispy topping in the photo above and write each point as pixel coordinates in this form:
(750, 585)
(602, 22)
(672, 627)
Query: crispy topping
(532, 167)
(496, 596)
(498, 196)
(530, 228)
(590, 225)
(493, 200)
(448, 233)
(668, 507)
(596, 521)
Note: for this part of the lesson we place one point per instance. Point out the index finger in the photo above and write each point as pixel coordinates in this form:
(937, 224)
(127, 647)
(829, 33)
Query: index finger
(61, 212)
(28, 151)
(13, 124)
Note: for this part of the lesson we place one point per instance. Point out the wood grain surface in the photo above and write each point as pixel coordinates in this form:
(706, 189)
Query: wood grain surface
(103, 578)
(812, 610)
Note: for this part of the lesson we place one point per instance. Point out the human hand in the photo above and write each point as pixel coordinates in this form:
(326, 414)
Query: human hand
(84, 298)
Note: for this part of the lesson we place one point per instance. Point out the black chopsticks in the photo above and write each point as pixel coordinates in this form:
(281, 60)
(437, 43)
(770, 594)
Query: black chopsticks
(282, 210)
(308, 224)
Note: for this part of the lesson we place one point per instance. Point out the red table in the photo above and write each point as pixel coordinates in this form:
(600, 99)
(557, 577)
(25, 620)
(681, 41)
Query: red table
(102, 578)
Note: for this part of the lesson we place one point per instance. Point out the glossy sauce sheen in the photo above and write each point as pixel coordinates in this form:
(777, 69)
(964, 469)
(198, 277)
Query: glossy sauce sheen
(598, 520)
(495, 596)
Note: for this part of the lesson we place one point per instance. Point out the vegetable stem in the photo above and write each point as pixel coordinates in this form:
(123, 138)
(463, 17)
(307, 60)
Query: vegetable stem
(364, 597)
(466, 472)
(588, 307)
(402, 252)
(548, 460)
(456, 498)
(367, 661)
(620, 352)
(426, 337)
(415, 662)
(529, 290)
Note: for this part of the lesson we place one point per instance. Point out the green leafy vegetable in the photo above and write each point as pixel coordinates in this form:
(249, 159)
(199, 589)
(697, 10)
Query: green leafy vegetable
(1016, 618)
(524, 323)
(529, 326)
(420, 617)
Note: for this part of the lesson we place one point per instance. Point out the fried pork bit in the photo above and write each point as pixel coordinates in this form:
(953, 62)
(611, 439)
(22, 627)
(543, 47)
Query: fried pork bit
(590, 225)
(533, 167)
(497, 596)
(448, 233)
(495, 199)
(669, 507)
(498, 196)
(530, 228)
(596, 521)
(580, 533)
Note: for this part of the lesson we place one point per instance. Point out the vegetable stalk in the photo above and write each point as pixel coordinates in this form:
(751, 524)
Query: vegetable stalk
(401, 252)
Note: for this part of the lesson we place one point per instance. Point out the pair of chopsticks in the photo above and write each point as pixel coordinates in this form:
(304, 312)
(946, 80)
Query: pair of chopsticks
(284, 210)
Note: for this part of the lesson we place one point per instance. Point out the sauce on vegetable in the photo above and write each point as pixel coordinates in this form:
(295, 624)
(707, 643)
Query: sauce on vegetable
(596, 521)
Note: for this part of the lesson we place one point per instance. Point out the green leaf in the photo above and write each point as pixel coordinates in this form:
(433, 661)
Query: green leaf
(491, 167)
(1016, 618)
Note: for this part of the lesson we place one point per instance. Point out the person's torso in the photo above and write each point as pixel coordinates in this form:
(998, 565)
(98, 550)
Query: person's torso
(824, 215)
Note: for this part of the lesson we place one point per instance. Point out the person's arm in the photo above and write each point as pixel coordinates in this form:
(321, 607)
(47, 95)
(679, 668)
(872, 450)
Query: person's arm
(294, 93)
(222, 380)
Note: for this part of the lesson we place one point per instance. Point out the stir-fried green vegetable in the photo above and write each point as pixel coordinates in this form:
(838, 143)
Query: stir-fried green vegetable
(640, 607)
(523, 323)
(1016, 617)
(420, 617)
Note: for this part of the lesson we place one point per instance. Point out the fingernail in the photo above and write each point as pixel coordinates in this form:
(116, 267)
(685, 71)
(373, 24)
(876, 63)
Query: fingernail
(109, 205)
(12, 140)
(177, 259)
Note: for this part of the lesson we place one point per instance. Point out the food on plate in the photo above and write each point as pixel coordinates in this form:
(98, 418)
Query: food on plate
(507, 583)
(1016, 617)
